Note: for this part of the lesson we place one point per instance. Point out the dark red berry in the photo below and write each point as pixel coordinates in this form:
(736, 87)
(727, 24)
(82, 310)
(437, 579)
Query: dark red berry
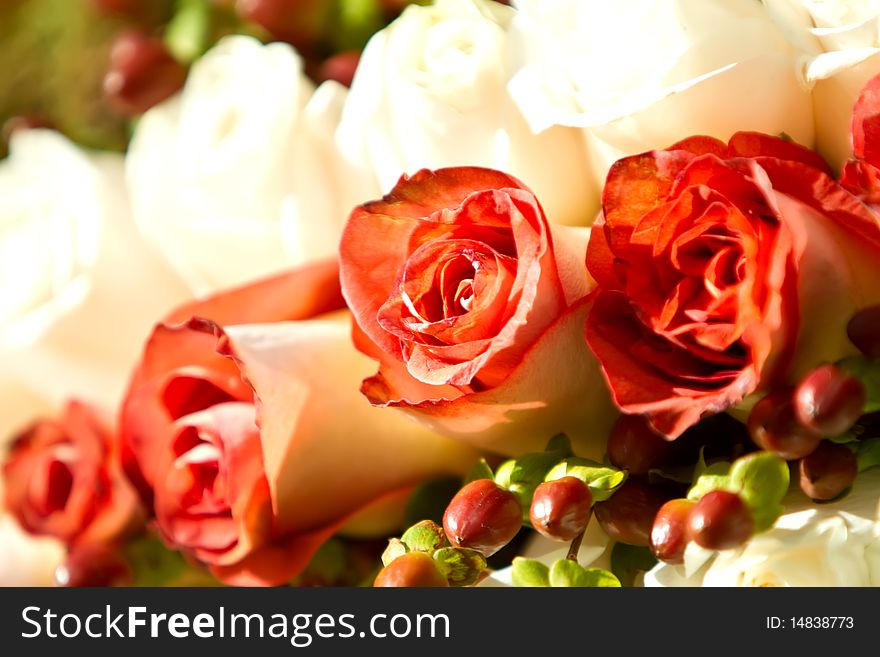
(828, 471)
(669, 534)
(774, 426)
(720, 520)
(340, 67)
(634, 446)
(142, 73)
(299, 22)
(561, 508)
(864, 331)
(482, 516)
(829, 400)
(93, 565)
(411, 569)
(628, 515)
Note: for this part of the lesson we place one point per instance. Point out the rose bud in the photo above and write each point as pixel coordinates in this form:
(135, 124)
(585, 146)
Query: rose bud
(93, 565)
(561, 508)
(774, 426)
(829, 400)
(63, 479)
(669, 533)
(482, 516)
(720, 520)
(142, 73)
(628, 515)
(828, 471)
(634, 446)
(863, 331)
(411, 569)
(239, 429)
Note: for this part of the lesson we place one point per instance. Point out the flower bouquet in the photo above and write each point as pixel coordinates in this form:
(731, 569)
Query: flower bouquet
(461, 293)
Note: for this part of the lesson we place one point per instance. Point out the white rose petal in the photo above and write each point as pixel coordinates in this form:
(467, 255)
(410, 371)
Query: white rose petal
(236, 177)
(430, 92)
(840, 43)
(79, 289)
(639, 75)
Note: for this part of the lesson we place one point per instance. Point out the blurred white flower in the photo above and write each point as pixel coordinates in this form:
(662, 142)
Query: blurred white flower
(840, 44)
(236, 177)
(430, 92)
(835, 544)
(79, 288)
(643, 74)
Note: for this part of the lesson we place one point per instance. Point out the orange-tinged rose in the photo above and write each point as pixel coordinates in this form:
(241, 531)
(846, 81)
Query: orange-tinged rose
(63, 479)
(470, 302)
(252, 439)
(721, 268)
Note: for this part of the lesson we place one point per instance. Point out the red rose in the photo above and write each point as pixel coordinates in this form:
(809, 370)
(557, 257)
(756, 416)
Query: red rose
(252, 439)
(861, 174)
(63, 479)
(471, 304)
(716, 265)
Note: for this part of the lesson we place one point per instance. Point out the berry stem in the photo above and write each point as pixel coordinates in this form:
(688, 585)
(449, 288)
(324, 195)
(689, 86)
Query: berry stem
(575, 547)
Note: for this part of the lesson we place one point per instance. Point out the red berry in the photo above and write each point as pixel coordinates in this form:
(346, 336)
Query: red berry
(93, 565)
(628, 515)
(774, 426)
(669, 534)
(411, 569)
(864, 331)
(720, 520)
(828, 471)
(300, 22)
(829, 400)
(561, 508)
(340, 67)
(142, 73)
(482, 516)
(634, 446)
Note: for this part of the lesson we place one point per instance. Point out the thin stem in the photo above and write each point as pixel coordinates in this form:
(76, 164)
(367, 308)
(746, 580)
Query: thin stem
(575, 546)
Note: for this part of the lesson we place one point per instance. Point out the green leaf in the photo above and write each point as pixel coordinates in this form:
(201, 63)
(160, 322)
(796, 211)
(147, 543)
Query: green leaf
(153, 564)
(480, 471)
(187, 33)
(424, 536)
(522, 475)
(396, 548)
(602, 480)
(708, 478)
(868, 453)
(430, 500)
(868, 372)
(569, 573)
(627, 561)
(529, 573)
(559, 443)
(765, 516)
(460, 566)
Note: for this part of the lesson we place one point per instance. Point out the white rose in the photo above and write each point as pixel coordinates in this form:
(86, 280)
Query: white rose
(79, 289)
(643, 74)
(840, 42)
(835, 544)
(430, 92)
(235, 178)
(27, 560)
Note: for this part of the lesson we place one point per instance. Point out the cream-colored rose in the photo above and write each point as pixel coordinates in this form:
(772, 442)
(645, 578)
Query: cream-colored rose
(430, 92)
(79, 289)
(638, 75)
(835, 544)
(236, 178)
(840, 45)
